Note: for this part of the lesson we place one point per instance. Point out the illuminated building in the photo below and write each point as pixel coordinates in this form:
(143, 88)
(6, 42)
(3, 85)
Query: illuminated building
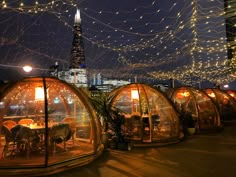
(77, 73)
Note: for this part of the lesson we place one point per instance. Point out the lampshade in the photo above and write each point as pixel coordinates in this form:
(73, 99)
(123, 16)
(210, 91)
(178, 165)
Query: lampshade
(39, 93)
(134, 94)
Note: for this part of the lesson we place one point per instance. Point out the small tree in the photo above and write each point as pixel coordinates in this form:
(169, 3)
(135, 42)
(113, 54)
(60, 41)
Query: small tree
(189, 121)
(102, 106)
(111, 117)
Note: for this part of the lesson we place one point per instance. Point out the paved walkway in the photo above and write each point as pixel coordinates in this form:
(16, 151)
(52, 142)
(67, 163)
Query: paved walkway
(211, 155)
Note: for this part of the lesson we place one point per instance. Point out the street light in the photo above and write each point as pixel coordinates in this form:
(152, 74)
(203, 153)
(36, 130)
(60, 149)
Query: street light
(226, 86)
(27, 68)
(23, 70)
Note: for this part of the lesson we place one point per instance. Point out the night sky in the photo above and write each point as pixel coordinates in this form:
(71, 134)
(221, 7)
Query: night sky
(154, 40)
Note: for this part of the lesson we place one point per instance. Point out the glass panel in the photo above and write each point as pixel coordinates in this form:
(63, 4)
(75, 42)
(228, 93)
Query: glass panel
(190, 107)
(146, 122)
(129, 103)
(21, 138)
(184, 101)
(180, 98)
(67, 112)
(208, 116)
(227, 105)
(126, 103)
(164, 119)
(136, 127)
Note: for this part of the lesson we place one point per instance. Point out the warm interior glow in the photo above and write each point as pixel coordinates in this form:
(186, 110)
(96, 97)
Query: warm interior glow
(134, 94)
(232, 94)
(182, 94)
(185, 94)
(39, 93)
(211, 95)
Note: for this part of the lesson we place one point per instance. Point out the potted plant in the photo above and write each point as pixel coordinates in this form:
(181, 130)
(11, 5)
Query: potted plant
(189, 124)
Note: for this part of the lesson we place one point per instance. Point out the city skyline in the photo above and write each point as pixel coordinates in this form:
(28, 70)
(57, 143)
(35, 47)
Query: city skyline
(150, 40)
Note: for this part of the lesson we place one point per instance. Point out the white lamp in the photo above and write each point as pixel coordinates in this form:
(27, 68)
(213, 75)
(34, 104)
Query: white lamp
(39, 93)
(134, 94)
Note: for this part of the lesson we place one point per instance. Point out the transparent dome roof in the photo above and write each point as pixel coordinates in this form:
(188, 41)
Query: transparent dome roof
(45, 122)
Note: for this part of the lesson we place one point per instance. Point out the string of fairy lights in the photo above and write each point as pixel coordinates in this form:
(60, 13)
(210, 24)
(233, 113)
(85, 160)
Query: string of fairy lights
(185, 40)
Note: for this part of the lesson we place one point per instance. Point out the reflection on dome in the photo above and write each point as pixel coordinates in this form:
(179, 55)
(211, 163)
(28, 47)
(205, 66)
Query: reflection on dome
(48, 123)
(149, 115)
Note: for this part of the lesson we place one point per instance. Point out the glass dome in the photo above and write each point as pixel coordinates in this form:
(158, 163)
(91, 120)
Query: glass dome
(46, 122)
(196, 102)
(225, 103)
(149, 115)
